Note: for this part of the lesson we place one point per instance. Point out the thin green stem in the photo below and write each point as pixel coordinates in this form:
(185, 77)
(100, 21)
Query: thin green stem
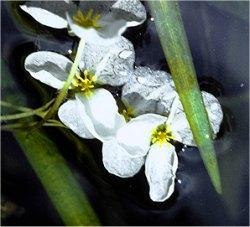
(63, 92)
(19, 116)
(27, 112)
(17, 126)
(9, 105)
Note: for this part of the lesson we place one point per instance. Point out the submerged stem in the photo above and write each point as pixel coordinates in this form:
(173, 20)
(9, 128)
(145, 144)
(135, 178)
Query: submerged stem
(24, 125)
(28, 112)
(9, 105)
(18, 116)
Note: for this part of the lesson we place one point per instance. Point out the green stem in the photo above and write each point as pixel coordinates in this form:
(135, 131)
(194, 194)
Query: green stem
(19, 108)
(19, 116)
(56, 177)
(63, 92)
(175, 45)
(27, 111)
(24, 125)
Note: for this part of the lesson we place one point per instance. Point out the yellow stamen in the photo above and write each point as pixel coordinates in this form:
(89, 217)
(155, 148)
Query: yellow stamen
(85, 83)
(88, 19)
(162, 134)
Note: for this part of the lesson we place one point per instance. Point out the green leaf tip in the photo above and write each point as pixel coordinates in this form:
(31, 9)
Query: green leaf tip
(174, 42)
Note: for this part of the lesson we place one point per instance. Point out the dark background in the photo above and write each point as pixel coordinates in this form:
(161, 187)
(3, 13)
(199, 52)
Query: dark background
(218, 34)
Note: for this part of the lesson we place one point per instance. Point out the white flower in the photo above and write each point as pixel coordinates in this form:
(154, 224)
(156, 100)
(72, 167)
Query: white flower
(111, 65)
(153, 91)
(96, 21)
(149, 91)
(150, 136)
(93, 113)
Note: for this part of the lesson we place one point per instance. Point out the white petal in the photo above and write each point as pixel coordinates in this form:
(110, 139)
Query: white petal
(149, 91)
(118, 162)
(214, 111)
(135, 136)
(45, 17)
(112, 64)
(131, 11)
(70, 116)
(180, 126)
(117, 63)
(101, 108)
(91, 35)
(160, 168)
(48, 67)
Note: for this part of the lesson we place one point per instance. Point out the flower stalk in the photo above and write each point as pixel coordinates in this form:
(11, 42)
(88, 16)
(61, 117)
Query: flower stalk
(174, 42)
(63, 92)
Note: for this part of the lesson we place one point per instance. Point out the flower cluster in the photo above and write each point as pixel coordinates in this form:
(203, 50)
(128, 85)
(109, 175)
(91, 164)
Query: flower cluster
(144, 132)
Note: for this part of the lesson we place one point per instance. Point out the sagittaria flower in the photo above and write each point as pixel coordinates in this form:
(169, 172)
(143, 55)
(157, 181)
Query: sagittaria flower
(148, 91)
(151, 136)
(96, 103)
(95, 21)
(112, 66)
(153, 91)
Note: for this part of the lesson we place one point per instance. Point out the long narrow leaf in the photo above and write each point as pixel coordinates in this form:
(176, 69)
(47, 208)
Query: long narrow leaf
(57, 179)
(175, 45)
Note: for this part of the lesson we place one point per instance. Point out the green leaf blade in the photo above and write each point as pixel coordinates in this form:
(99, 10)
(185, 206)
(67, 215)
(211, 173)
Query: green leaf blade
(57, 179)
(174, 42)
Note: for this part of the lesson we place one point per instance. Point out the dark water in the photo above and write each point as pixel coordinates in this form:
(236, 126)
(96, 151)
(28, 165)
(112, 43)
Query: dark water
(218, 37)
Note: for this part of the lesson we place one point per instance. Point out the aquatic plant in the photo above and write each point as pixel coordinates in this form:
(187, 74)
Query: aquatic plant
(139, 127)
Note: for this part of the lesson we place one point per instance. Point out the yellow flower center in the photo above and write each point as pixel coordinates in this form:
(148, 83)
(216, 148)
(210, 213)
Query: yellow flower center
(88, 19)
(162, 134)
(85, 82)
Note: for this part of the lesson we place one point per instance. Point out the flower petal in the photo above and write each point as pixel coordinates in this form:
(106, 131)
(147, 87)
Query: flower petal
(70, 116)
(149, 91)
(180, 126)
(214, 111)
(48, 67)
(135, 136)
(113, 20)
(160, 168)
(116, 64)
(101, 108)
(131, 11)
(118, 162)
(91, 35)
(41, 12)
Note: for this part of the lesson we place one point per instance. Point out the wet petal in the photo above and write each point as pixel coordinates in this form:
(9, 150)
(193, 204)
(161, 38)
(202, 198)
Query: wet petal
(68, 113)
(131, 11)
(113, 20)
(149, 91)
(116, 64)
(48, 67)
(91, 35)
(214, 111)
(49, 13)
(101, 108)
(118, 162)
(135, 136)
(160, 168)
(180, 125)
